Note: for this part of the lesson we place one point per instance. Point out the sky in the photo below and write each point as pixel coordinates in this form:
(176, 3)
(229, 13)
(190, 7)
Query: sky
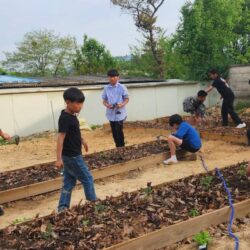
(96, 18)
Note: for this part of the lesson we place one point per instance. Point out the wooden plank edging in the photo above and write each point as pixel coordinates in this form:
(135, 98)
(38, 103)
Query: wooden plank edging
(175, 233)
(56, 184)
(238, 139)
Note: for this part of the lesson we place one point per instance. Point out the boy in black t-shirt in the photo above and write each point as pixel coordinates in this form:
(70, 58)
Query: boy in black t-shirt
(69, 150)
(228, 99)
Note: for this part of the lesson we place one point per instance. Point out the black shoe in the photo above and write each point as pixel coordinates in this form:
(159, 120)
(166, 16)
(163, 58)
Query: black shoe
(17, 139)
(1, 211)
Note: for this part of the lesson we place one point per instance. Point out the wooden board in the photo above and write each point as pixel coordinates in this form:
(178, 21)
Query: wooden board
(175, 233)
(56, 184)
(107, 129)
(237, 139)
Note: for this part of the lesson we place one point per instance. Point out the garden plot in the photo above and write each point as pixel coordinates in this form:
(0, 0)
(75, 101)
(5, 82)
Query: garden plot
(45, 178)
(39, 149)
(233, 135)
(135, 217)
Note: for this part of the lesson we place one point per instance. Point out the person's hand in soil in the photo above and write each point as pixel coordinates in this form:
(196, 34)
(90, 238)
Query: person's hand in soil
(59, 163)
(4, 135)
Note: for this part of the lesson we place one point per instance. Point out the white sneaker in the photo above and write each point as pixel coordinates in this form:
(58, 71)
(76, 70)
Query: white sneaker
(242, 125)
(170, 161)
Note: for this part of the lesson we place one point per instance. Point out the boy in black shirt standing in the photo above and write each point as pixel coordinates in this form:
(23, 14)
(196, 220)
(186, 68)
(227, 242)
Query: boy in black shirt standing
(69, 150)
(228, 99)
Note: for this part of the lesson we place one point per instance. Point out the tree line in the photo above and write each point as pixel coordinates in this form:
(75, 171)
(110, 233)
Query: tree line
(210, 34)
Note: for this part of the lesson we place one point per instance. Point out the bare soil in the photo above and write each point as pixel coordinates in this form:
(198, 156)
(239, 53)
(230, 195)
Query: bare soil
(112, 220)
(42, 148)
(216, 153)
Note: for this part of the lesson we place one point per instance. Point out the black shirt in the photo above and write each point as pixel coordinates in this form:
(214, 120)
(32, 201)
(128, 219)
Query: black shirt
(222, 87)
(69, 125)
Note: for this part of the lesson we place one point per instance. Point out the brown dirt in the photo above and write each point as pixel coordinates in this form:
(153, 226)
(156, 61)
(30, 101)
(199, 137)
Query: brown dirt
(41, 149)
(219, 154)
(144, 212)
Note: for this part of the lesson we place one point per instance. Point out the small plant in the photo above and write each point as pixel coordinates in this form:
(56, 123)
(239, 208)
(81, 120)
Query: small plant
(193, 212)
(242, 106)
(206, 181)
(94, 127)
(20, 220)
(99, 208)
(242, 171)
(202, 238)
(48, 233)
(148, 190)
(101, 155)
(85, 223)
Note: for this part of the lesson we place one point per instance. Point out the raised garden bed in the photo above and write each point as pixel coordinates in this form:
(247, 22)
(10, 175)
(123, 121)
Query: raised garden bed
(233, 135)
(44, 172)
(210, 132)
(40, 179)
(162, 123)
(144, 218)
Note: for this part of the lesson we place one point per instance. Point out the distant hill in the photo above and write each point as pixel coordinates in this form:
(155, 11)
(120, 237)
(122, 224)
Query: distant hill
(124, 58)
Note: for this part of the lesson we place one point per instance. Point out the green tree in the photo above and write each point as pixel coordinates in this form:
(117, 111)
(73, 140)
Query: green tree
(42, 53)
(145, 17)
(2, 72)
(241, 46)
(205, 36)
(93, 57)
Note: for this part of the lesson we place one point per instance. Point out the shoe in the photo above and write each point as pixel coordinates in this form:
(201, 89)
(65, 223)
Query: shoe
(242, 125)
(17, 139)
(170, 161)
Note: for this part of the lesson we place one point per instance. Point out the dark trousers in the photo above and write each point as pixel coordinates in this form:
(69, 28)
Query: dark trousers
(228, 108)
(117, 132)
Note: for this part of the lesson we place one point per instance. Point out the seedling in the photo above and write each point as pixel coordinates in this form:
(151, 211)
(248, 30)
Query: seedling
(48, 233)
(206, 181)
(99, 208)
(101, 155)
(242, 171)
(148, 190)
(94, 127)
(20, 220)
(202, 239)
(193, 212)
(85, 223)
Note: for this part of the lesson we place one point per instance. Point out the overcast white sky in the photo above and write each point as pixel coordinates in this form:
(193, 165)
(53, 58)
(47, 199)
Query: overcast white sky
(96, 18)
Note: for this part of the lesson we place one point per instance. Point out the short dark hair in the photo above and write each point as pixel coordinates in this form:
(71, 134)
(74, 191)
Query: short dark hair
(175, 119)
(73, 95)
(202, 93)
(113, 73)
(214, 71)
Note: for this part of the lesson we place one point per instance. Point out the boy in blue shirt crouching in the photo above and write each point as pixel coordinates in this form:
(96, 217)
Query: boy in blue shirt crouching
(185, 137)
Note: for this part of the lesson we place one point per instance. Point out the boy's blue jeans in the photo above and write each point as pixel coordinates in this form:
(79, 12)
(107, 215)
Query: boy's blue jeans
(75, 169)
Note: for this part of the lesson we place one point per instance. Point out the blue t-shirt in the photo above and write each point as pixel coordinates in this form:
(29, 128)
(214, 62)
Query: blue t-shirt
(189, 134)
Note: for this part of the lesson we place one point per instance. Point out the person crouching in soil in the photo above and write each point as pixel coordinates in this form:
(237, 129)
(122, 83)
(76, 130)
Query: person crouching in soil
(185, 137)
